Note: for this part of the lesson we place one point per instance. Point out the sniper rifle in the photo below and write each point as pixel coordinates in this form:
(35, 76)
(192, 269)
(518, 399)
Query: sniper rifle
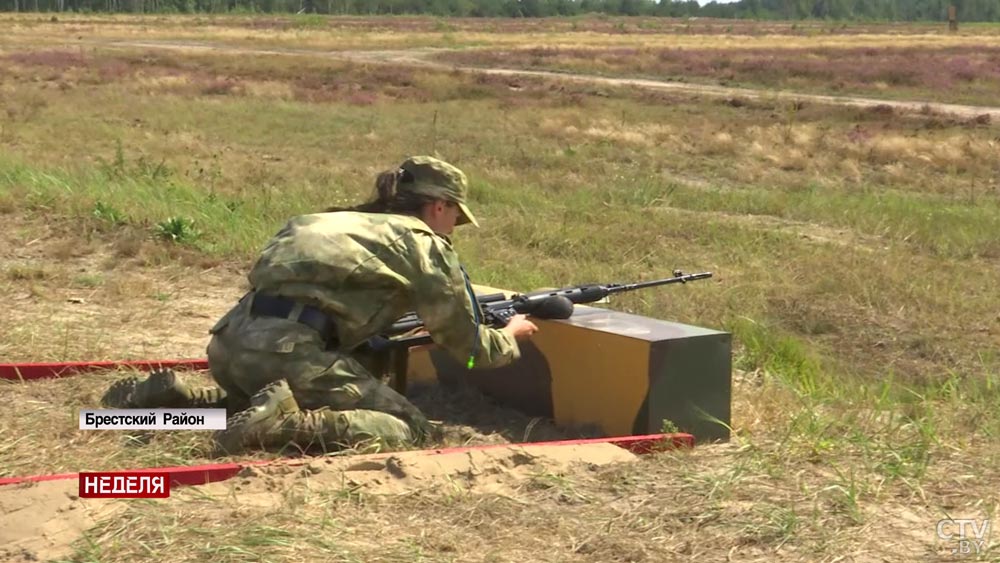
(497, 310)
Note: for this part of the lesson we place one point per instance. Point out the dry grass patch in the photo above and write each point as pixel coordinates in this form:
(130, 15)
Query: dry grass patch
(46, 412)
(814, 149)
(78, 279)
(966, 74)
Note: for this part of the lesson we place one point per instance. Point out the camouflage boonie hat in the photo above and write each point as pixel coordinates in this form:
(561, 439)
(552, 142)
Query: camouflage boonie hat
(429, 176)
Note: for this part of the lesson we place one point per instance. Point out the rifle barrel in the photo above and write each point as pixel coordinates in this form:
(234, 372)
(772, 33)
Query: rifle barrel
(618, 288)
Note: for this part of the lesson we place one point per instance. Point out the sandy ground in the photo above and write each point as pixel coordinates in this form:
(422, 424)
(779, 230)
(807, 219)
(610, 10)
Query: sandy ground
(40, 521)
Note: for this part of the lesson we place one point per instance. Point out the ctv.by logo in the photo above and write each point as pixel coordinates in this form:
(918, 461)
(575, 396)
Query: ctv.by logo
(972, 535)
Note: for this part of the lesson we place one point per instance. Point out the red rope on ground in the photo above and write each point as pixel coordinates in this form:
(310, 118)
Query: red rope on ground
(22, 372)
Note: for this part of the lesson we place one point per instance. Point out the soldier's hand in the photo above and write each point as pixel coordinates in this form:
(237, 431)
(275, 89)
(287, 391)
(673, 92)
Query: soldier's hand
(520, 327)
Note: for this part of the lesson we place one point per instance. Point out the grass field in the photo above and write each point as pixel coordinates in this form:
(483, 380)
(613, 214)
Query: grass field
(855, 254)
(967, 74)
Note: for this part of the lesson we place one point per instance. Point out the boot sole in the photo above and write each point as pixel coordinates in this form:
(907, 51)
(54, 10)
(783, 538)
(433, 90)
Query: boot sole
(160, 384)
(239, 426)
(121, 393)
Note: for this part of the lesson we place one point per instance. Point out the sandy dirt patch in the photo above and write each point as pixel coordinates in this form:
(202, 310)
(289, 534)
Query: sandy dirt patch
(41, 521)
(497, 470)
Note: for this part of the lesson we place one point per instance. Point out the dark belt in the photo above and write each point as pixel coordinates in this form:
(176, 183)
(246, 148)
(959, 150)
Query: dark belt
(281, 307)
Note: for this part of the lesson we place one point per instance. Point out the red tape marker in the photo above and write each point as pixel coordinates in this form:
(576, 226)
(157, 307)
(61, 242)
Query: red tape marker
(23, 372)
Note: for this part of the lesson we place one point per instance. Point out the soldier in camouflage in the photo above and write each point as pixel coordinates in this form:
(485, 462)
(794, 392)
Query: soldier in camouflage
(290, 357)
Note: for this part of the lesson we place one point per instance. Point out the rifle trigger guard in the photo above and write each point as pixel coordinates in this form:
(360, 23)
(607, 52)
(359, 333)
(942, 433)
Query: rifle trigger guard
(503, 317)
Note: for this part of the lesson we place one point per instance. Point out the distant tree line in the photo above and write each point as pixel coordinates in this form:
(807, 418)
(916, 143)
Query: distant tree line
(894, 10)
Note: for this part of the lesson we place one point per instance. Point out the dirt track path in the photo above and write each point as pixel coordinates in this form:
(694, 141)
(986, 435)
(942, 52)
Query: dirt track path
(419, 57)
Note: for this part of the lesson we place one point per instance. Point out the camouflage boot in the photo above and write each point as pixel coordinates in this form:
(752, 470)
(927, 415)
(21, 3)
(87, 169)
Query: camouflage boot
(162, 389)
(257, 425)
(275, 421)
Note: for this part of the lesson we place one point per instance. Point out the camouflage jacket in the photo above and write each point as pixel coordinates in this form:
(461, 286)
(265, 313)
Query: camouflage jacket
(368, 269)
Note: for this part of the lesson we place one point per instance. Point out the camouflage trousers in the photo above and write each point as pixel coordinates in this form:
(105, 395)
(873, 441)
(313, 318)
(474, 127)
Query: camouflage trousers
(342, 403)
